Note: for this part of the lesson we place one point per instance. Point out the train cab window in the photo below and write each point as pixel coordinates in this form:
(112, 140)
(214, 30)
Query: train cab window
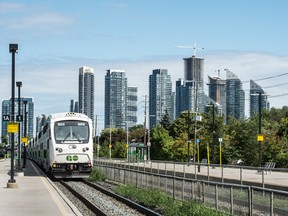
(71, 131)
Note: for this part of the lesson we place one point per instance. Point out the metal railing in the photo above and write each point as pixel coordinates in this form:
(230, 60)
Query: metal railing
(226, 197)
(243, 175)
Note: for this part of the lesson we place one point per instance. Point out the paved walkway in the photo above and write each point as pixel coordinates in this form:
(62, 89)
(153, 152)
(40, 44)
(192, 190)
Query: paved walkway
(31, 195)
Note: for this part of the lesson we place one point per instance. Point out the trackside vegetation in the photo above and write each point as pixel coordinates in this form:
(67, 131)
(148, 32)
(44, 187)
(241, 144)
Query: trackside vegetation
(96, 175)
(162, 203)
(158, 200)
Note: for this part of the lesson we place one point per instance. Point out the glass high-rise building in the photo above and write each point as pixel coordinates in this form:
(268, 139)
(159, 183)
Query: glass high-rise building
(217, 92)
(255, 91)
(235, 96)
(184, 96)
(6, 110)
(194, 72)
(132, 106)
(190, 90)
(115, 99)
(160, 96)
(86, 91)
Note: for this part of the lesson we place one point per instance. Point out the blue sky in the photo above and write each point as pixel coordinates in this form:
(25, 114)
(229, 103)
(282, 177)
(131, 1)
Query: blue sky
(56, 38)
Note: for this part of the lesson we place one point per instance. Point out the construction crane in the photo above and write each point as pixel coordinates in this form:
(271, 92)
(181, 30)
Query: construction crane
(190, 47)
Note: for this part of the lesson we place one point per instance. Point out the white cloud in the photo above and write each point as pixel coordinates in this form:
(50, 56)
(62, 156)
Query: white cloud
(7, 7)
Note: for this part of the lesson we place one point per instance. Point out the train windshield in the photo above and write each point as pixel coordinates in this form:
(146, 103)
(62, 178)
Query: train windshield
(71, 131)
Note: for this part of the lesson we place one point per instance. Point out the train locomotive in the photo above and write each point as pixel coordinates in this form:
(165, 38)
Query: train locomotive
(64, 146)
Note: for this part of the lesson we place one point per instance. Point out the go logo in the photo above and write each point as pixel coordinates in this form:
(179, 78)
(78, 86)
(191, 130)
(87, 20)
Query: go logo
(72, 158)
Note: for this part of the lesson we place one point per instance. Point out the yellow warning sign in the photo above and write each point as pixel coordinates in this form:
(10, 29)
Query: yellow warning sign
(12, 127)
(25, 140)
(260, 138)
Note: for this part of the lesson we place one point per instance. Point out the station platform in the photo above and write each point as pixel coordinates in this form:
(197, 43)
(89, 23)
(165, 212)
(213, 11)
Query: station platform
(32, 194)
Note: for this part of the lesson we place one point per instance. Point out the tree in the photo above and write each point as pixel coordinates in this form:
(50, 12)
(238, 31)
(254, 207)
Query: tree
(161, 144)
(166, 121)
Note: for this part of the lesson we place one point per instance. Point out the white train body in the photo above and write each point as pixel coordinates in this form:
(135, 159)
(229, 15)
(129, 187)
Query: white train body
(64, 147)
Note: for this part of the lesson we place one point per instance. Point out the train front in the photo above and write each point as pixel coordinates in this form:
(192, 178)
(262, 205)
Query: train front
(72, 152)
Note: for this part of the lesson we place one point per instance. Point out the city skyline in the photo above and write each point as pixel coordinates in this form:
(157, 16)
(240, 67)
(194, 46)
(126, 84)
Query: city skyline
(55, 39)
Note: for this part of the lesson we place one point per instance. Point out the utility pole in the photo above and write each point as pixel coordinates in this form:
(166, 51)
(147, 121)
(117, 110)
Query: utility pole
(260, 130)
(189, 136)
(145, 115)
(25, 132)
(96, 147)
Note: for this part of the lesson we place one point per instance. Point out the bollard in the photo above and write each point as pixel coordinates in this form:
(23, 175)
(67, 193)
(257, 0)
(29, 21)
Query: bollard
(198, 168)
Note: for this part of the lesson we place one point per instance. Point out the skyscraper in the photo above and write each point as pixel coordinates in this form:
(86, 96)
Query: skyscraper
(115, 99)
(40, 122)
(184, 96)
(160, 96)
(194, 72)
(86, 91)
(132, 106)
(190, 91)
(235, 96)
(255, 91)
(6, 110)
(217, 91)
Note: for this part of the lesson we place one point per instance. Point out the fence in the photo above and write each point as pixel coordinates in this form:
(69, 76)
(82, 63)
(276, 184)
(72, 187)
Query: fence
(230, 198)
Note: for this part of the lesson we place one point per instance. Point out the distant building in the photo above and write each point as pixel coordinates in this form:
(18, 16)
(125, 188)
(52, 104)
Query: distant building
(160, 96)
(115, 99)
(86, 91)
(40, 122)
(217, 92)
(255, 91)
(184, 96)
(235, 96)
(6, 110)
(194, 72)
(74, 106)
(132, 106)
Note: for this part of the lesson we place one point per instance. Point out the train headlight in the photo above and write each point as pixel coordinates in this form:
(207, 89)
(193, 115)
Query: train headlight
(59, 150)
(85, 149)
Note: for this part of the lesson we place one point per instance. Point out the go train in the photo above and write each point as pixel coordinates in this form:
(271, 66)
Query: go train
(64, 146)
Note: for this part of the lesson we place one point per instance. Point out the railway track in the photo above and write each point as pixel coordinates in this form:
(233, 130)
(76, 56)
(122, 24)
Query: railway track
(101, 201)
(91, 206)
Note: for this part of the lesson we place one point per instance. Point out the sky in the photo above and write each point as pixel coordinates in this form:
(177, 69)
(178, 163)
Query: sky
(56, 38)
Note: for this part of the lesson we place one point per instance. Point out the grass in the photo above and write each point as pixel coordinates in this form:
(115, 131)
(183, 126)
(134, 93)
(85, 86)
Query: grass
(164, 204)
(158, 200)
(96, 175)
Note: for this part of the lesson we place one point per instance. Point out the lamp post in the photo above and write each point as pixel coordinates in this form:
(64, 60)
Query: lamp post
(19, 119)
(13, 48)
(25, 132)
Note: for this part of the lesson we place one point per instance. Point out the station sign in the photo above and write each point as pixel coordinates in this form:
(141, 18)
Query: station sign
(6, 118)
(12, 127)
(19, 118)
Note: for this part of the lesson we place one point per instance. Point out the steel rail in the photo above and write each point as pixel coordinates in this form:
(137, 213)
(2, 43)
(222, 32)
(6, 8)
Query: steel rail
(85, 201)
(122, 199)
